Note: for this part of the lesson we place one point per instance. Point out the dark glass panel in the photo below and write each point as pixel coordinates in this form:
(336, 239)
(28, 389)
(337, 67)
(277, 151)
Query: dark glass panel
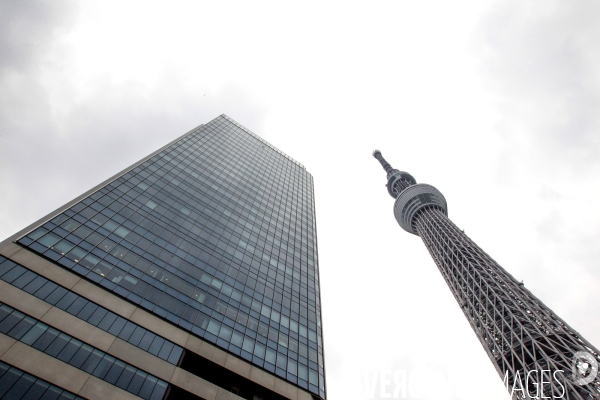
(97, 316)
(58, 294)
(66, 301)
(24, 279)
(107, 321)
(147, 387)
(9, 378)
(69, 350)
(159, 390)
(45, 339)
(87, 311)
(103, 366)
(19, 388)
(137, 381)
(45, 290)
(126, 377)
(114, 372)
(52, 393)
(81, 355)
(91, 363)
(34, 333)
(37, 390)
(118, 326)
(13, 274)
(10, 321)
(57, 345)
(35, 284)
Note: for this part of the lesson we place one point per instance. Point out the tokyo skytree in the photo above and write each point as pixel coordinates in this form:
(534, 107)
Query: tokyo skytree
(535, 352)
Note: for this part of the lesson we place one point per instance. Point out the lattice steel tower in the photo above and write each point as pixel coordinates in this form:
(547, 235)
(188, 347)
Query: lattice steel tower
(521, 335)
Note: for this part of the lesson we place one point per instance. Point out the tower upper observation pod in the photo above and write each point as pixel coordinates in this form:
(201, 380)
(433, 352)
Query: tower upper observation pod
(411, 197)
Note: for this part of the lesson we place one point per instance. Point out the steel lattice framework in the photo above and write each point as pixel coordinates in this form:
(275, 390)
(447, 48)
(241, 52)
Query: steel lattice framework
(527, 343)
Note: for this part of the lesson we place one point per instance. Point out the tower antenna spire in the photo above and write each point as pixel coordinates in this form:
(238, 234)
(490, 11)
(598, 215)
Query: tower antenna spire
(386, 165)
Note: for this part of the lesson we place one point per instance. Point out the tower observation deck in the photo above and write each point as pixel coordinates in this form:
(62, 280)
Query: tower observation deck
(534, 351)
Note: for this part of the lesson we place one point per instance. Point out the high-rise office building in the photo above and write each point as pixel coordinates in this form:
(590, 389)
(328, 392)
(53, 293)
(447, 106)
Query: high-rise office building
(191, 274)
(536, 353)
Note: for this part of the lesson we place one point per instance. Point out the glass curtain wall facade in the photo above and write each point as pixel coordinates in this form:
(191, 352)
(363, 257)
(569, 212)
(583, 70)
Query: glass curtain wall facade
(215, 234)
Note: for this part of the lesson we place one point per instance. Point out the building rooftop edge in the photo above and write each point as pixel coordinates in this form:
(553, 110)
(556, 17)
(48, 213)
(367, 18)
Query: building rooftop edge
(228, 118)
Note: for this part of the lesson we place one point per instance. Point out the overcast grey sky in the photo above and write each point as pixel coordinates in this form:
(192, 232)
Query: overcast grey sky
(494, 103)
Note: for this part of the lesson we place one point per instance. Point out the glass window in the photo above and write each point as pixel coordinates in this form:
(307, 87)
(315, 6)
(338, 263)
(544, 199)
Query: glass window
(146, 340)
(35, 235)
(77, 305)
(24, 279)
(66, 301)
(159, 390)
(213, 327)
(45, 290)
(108, 320)
(89, 261)
(115, 275)
(49, 239)
(35, 284)
(10, 320)
(10, 377)
(13, 274)
(57, 345)
(166, 350)
(53, 393)
(22, 327)
(20, 387)
(114, 372)
(103, 366)
(81, 355)
(147, 388)
(92, 362)
(156, 345)
(56, 295)
(95, 239)
(137, 335)
(97, 316)
(118, 326)
(76, 254)
(45, 339)
(102, 268)
(34, 333)
(248, 345)
(270, 356)
(63, 247)
(87, 311)
(126, 377)
(69, 350)
(36, 391)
